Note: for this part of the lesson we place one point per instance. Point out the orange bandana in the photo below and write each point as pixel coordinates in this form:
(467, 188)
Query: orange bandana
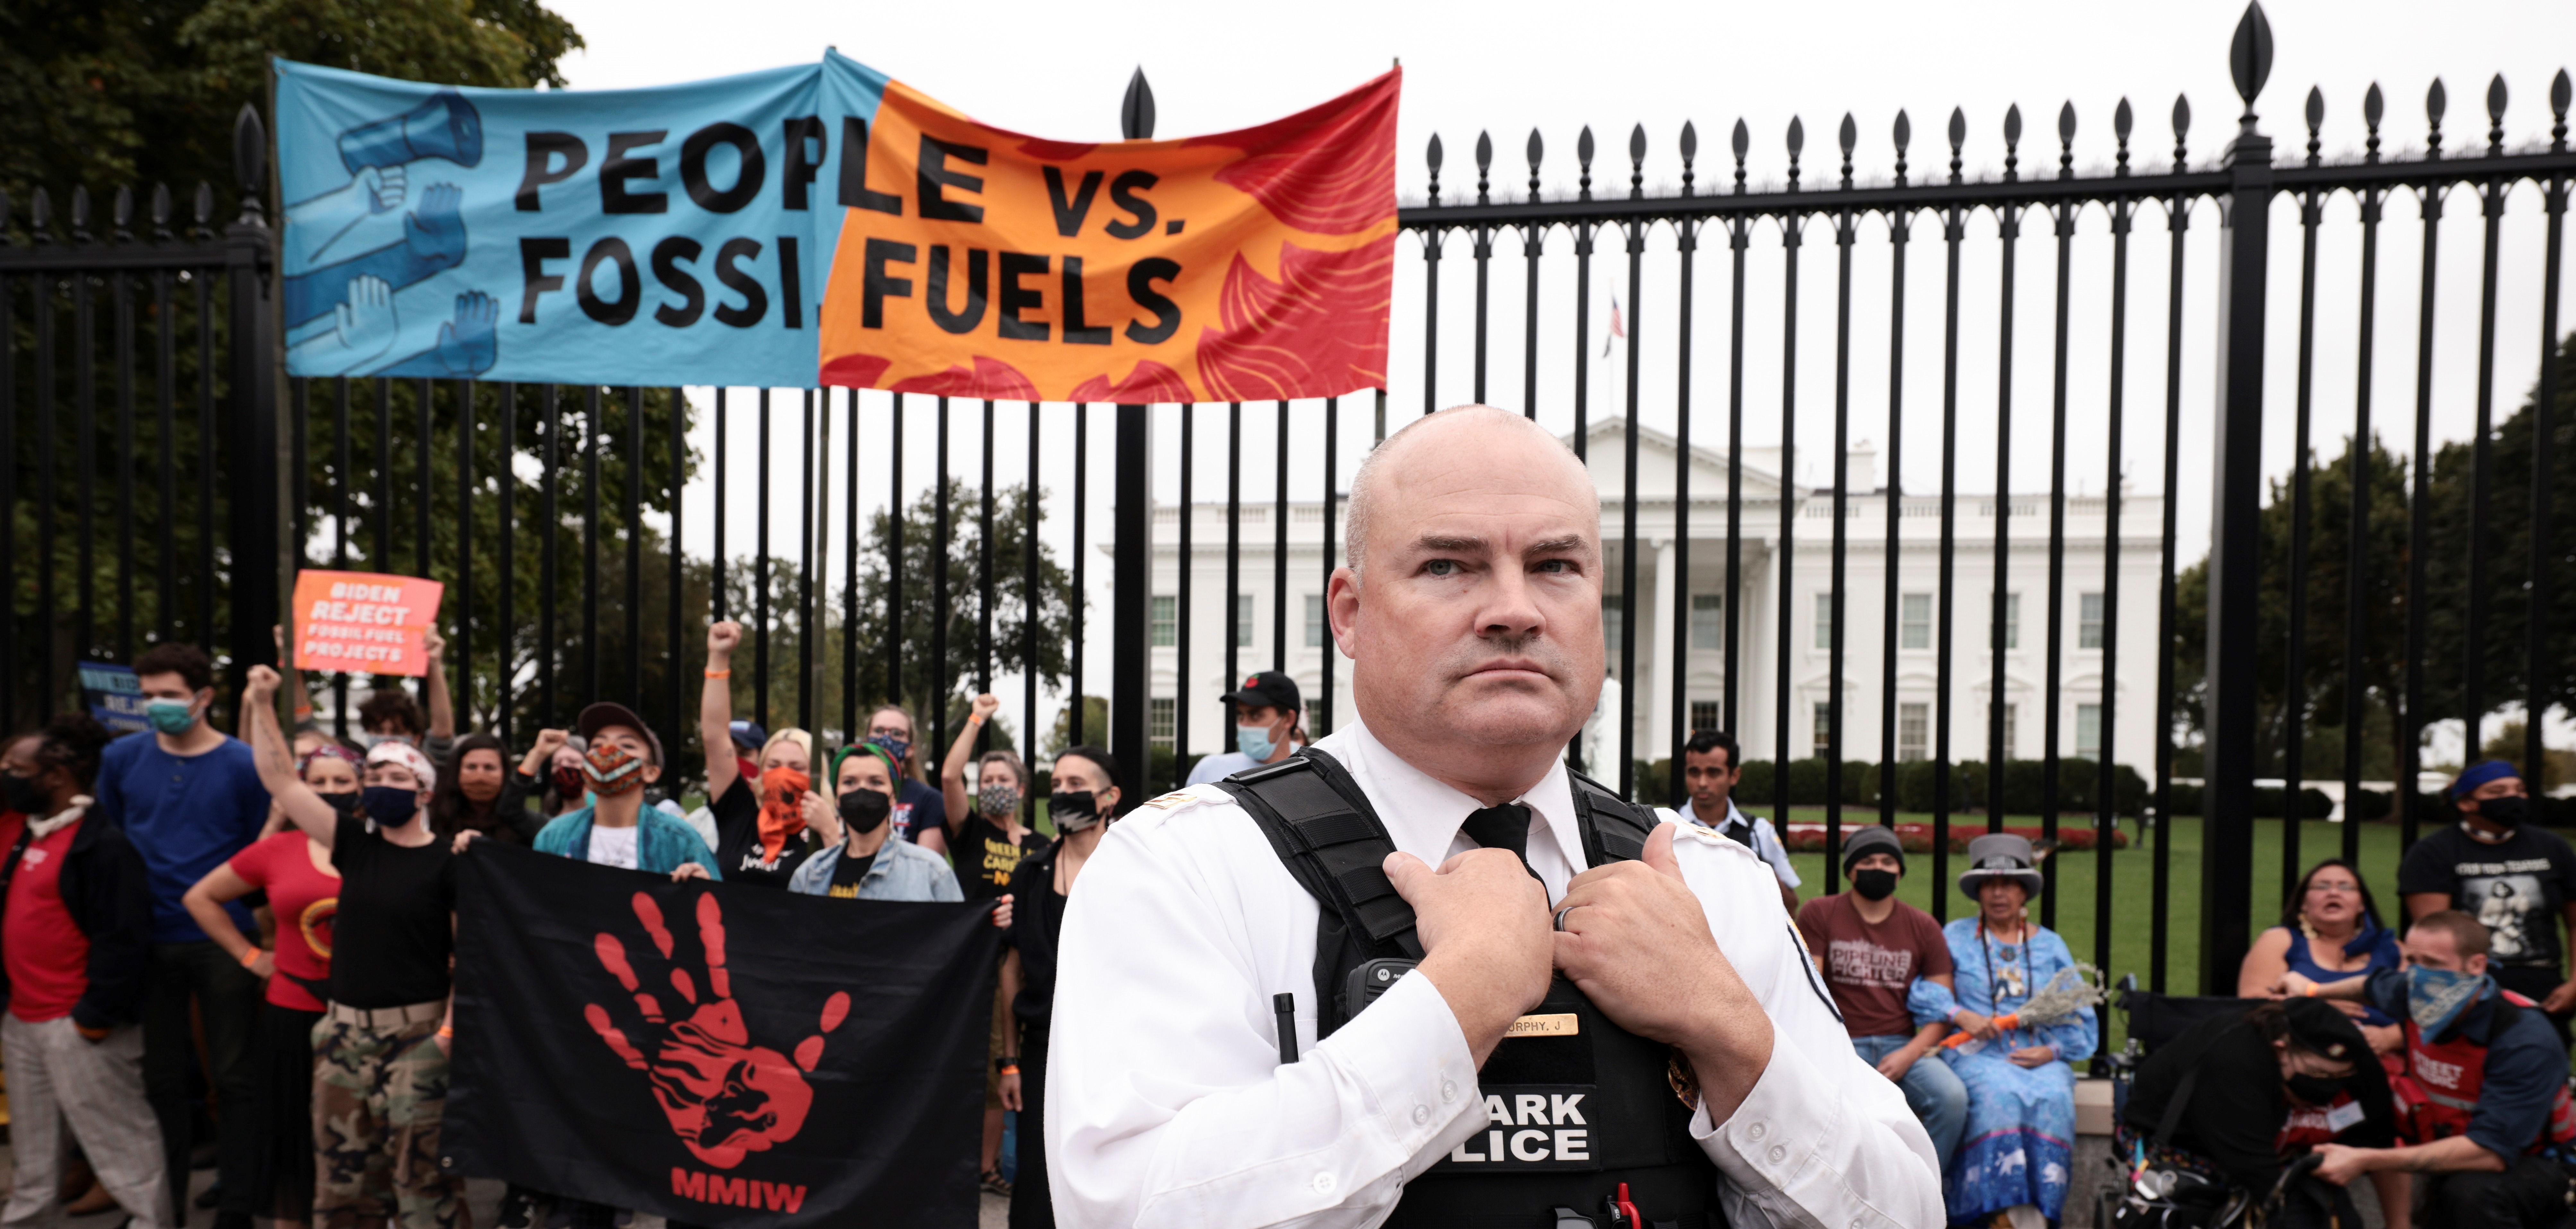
(782, 809)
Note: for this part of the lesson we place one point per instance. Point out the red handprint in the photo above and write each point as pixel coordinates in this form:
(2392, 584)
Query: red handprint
(725, 1097)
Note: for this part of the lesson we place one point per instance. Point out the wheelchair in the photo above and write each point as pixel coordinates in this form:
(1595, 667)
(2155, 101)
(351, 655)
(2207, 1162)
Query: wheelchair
(2159, 1200)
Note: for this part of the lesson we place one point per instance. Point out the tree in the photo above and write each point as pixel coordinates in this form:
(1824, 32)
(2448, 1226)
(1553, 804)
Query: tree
(1014, 614)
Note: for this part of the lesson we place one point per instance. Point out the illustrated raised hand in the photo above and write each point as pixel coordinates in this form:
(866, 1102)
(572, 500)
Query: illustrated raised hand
(723, 1096)
(435, 231)
(467, 346)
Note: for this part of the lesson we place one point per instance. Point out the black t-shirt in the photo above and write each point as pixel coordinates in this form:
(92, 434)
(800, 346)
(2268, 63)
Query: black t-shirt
(2517, 887)
(985, 856)
(395, 931)
(846, 875)
(1037, 923)
(918, 809)
(738, 851)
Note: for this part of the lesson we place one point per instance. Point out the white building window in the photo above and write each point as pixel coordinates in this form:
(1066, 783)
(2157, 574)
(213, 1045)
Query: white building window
(1914, 621)
(2012, 726)
(1243, 620)
(1162, 626)
(1613, 606)
(1913, 732)
(1703, 715)
(2012, 621)
(1824, 620)
(2088, 730)
(1824, 731)
(1315, 621)
(2088, 621)
(1161, 714)
(1708, 626)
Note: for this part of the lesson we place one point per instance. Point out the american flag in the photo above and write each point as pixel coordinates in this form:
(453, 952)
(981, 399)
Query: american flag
(1618, 330)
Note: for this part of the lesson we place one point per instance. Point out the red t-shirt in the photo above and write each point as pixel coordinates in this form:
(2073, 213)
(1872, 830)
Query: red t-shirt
(1869, 968)
(47, 955)
(304, 900)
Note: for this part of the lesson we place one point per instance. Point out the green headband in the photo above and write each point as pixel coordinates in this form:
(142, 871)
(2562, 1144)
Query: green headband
(894, 774)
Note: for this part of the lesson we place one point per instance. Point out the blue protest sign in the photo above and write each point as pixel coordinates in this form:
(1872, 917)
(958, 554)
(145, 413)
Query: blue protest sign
(114, 696)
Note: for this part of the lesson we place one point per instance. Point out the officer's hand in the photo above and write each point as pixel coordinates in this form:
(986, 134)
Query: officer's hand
(1483, 923)
(1636, 940)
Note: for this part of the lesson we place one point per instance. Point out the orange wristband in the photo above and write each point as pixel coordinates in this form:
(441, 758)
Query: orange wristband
(719, 674)
(447, 1032)
(250, 958)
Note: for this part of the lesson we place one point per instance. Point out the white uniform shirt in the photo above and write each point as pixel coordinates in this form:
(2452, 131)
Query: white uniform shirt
(1167, 1104)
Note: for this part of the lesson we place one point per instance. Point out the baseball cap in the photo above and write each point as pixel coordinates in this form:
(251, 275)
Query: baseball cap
(606, 713)
(1270, 689)
(748, 735)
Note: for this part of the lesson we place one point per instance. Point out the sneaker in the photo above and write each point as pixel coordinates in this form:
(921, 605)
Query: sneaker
(995, 1185)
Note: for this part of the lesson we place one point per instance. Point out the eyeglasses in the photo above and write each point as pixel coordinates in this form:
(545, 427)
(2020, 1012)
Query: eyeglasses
(2327, 885)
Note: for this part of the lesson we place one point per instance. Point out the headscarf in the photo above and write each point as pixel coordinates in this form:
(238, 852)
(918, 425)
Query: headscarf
(331, 751)
(2479, 774)
(894, 771)
(407, 755)
(782, 809)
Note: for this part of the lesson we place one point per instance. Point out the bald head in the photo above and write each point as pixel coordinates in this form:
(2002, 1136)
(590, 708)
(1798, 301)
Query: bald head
(1460, 437)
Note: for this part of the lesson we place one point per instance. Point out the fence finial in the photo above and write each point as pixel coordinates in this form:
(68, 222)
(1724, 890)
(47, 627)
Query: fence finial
(2495, 116)
(1850, 137)
(2249, 58)
(1958, 140)
(1637, 162)
(40, 217)
(161, 212)
(1484, 164)
(2066, 140)
(1136, 111)
(1690, 154)
(1904, 134)
(80, 213)
(2122, 119)
(121, 211)
(2558, 100)
(1797, 143)
(2012, 143)
(2182, 129)
(1537, 149)
(250, 163)
(2373, 105)
(2436, 101)
(204, 205)
(1431, 155)
(1743, 143)
(2316, 119)
(1583, 160)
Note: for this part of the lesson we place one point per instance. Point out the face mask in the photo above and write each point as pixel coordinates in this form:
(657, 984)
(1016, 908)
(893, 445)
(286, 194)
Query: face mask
(172, 717)
(570, 781)
(864, 810)
(346, 805)
(23, 795)
(2316, 1090)
(1072, 809)
(1874, 883)
(2506, 812)
(997, 799)
(614, 770)
(390, 806)
(896, 747)
(2436, 997)
(1255, 741)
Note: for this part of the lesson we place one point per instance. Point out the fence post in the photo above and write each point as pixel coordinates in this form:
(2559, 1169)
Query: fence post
(2235, 531)
(251, 432)
(1131, 569)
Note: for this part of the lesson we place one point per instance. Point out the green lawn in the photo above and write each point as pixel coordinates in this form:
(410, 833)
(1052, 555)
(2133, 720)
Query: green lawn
(2132, 881)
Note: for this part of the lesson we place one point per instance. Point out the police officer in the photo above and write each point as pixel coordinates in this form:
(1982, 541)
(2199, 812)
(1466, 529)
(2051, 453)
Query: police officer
(1509, 997)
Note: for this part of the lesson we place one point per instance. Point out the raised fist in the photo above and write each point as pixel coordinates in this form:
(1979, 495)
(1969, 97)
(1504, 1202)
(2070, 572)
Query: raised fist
(724, 1096)
(723, 635)
(259, 685)
(986, 705)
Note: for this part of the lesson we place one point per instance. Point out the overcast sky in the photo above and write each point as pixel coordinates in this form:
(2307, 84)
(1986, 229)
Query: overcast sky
(1059, 70)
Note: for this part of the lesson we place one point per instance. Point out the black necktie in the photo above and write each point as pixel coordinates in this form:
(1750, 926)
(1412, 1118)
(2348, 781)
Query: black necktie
(1502, 827)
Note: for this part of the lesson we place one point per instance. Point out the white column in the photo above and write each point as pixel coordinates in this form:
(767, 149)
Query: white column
(1658, 699)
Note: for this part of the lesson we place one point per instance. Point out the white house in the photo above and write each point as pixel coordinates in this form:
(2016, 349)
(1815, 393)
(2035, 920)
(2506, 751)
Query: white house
(1192, 692)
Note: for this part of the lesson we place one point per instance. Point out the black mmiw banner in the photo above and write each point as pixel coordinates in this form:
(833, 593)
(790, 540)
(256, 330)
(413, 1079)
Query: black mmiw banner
(728, 1056)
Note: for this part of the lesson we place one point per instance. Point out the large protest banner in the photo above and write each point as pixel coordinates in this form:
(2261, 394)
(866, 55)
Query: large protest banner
(717, 1055)
(363, 622)
(826, 225)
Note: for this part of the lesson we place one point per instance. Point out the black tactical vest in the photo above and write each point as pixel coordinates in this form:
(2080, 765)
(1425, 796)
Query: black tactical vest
(1576, 1106)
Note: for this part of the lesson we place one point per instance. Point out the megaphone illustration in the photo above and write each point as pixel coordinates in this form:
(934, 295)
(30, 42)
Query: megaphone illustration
(446, 126)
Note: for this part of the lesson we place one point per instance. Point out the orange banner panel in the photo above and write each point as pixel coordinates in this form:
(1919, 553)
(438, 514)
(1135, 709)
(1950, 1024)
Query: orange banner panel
(1251, 265)
(363, 622)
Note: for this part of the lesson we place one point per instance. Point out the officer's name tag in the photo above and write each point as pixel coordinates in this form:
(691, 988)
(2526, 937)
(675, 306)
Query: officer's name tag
(1564, 1025)
(2343, 1116)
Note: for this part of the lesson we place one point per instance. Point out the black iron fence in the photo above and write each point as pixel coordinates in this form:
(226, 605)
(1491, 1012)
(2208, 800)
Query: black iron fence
(556, 514)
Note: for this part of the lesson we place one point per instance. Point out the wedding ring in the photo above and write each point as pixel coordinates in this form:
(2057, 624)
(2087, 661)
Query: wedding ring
(1560, 915)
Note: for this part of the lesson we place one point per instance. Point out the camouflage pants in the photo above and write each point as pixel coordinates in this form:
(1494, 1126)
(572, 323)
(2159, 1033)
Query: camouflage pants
(378, 1095)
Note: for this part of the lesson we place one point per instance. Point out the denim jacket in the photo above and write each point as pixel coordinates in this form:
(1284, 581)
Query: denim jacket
(660, 847)
(903, 871)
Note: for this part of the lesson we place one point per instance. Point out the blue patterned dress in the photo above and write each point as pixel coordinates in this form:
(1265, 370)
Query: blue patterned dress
(2020, 1142)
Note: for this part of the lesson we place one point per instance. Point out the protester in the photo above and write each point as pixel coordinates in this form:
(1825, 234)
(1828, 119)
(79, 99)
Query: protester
(478, 793)
(390, 712)
(1871, 948)
(2015, 1156)
(987, 842)
(1712, 765)
(189, 797)
(380, 1053)
(1266, 711)
(919, 810)
(552, 770)
(618, 829)
(760, 821)
(2238, 1096)
(2329, 930)
(2484, 1104)
(2517, 880)
(1086, 796)
(861, 860)
(75, 933)
(302, 886)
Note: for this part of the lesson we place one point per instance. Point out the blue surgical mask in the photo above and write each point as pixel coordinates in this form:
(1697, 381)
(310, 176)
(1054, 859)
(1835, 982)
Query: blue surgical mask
(1255, 741)
(2436, 997)
(172, 717)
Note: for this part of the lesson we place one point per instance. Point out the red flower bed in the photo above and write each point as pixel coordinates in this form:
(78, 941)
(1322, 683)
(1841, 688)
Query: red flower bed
(1804, 837)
